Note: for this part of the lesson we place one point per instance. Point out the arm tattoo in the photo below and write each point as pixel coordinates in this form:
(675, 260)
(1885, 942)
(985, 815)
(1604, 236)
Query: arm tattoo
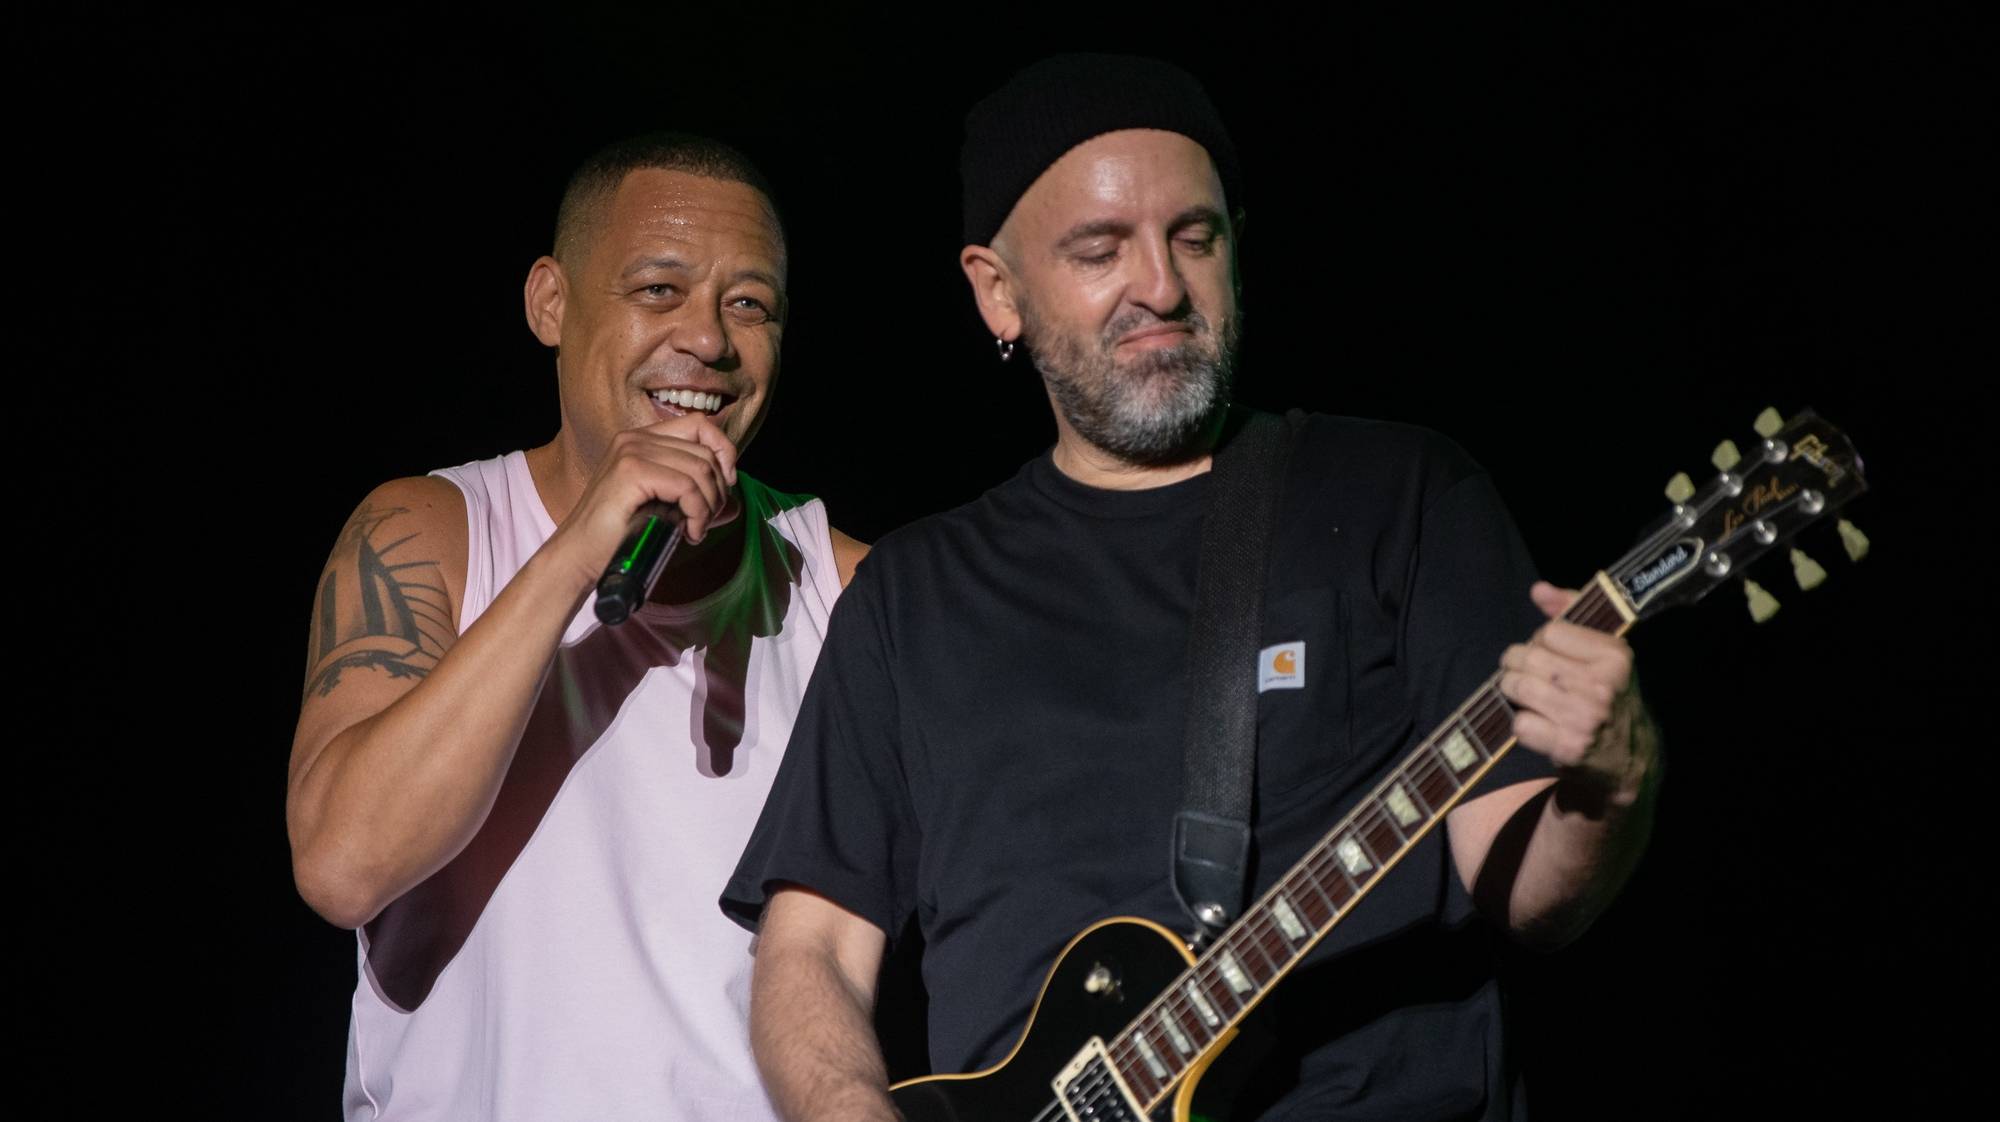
(376, 611)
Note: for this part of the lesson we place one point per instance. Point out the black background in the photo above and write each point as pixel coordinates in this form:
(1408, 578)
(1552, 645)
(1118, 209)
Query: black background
(1586, 244)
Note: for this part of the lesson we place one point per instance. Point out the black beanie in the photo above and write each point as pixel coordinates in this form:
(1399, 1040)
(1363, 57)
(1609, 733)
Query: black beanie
(1018, 130)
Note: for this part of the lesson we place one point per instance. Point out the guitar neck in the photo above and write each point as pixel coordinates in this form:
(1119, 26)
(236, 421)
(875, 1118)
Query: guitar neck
(1163, 1043)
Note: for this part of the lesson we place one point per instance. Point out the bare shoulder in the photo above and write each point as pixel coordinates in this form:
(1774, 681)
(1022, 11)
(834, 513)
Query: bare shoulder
(847, 554)
(421, 517)
(388, 597)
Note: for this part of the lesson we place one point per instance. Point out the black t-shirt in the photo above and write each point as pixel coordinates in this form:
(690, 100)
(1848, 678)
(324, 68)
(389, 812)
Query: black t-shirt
(993, 734)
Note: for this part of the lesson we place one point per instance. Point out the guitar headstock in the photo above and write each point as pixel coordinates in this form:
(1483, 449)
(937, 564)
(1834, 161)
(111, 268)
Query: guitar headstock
(1796, 473)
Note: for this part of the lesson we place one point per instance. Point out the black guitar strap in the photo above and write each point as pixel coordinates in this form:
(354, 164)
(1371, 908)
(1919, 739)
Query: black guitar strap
(1211, 844)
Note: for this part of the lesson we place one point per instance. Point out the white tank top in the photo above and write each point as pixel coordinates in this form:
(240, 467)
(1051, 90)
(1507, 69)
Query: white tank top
(572, 961)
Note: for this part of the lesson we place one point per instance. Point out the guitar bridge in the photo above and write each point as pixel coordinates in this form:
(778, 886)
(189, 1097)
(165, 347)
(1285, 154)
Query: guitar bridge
(1090, 1088)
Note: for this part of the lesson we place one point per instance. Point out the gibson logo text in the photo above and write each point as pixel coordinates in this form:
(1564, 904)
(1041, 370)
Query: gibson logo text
(1820, 456)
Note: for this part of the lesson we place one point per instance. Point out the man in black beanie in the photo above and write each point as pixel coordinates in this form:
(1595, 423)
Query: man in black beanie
(994, 740)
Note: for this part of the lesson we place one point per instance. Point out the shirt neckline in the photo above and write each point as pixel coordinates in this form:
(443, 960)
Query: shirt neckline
(1098, 502)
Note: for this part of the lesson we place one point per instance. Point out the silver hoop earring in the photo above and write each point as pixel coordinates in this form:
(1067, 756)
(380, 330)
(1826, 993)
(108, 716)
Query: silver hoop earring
(1004, 348)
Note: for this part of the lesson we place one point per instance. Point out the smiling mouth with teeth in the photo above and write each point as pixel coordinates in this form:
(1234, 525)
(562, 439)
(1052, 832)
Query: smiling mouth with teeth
(691, 401)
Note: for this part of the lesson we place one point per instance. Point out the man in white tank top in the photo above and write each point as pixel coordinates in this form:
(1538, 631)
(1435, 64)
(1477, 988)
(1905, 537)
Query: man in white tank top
(527, 816)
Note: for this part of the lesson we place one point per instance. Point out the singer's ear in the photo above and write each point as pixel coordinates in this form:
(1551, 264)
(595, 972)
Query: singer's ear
(992, 290)
(544, 295)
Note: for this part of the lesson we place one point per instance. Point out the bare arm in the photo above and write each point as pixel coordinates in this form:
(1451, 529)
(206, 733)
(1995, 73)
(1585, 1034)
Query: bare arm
(811, 996)
(407, 729)
(1546, 857)
(400, 749)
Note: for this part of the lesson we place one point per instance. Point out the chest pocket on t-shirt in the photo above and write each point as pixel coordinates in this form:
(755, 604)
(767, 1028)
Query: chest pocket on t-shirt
(1304, 730)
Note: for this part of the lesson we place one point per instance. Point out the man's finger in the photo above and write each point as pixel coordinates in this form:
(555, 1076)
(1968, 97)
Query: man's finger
(1531, 694)
(700, 430)
(1551, 600)
(1583, 644)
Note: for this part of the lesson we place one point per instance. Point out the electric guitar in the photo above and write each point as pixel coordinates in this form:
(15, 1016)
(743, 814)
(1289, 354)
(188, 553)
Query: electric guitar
(1130, 1018)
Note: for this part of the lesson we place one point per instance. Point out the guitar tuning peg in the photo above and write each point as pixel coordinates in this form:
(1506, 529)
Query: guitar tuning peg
(1806, 571)
(1725, 456)
(1852, 540)
(1680, 488)
(1763, 605)
(1768, 423)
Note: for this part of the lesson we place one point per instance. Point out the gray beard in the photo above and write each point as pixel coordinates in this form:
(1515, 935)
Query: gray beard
(1153, 411)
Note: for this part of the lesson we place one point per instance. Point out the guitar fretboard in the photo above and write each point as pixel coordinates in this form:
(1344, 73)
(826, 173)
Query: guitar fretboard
(1156, 1050)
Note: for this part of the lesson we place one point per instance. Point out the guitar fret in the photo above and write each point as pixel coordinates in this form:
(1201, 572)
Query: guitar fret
(1383, 838)
(1257, 966)
(1340, 889)
(1167, 1031)
(1142, 1081)
(1247, 957)
(1125, 1056)
(1232, 971)
(1152, 1058)
(1461, 754)
(1318, 910)
(1275, 947)
(1218, 991)
(1195, 1031)
(1412, 790)
(1159, 1047)
(1595, 609)
(1435, 783)
(1400, 805)
(1288, 918)
(1201, 1004)
(1354, 859)
(1495, 724)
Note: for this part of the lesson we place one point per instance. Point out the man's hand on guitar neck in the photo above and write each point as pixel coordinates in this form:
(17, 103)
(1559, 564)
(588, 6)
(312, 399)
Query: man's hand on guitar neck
(1547, 856)
(1578, 704)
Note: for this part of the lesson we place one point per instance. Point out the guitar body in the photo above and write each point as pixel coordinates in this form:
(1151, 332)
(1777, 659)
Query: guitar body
(1140, 958)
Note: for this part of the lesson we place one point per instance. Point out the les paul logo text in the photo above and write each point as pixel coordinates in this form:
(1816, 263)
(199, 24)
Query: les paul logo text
(1754, 500)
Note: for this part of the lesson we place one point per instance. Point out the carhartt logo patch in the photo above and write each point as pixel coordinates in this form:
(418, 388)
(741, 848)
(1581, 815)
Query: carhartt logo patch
(1282, 667)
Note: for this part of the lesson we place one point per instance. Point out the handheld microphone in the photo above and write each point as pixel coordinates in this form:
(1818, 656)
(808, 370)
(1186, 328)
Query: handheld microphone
(629, 579)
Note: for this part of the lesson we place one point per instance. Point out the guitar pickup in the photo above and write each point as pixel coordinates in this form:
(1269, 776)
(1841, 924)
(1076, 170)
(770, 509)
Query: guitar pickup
(1091, 1089)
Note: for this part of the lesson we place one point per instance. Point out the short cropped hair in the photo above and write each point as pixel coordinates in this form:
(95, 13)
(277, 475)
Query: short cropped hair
(598, 178)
